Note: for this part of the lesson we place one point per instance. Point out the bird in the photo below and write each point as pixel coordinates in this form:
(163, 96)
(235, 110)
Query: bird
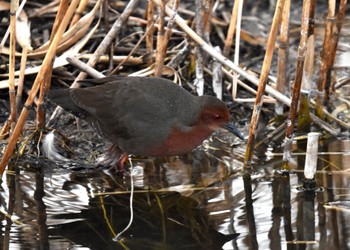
(145, 116)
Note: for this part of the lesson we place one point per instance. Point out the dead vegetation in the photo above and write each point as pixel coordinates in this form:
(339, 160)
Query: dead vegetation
(294, 55)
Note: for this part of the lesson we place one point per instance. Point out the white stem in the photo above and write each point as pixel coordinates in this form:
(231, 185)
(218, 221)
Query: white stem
(311, 155)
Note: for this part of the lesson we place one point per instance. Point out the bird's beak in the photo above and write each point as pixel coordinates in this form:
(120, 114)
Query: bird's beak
(231, 128)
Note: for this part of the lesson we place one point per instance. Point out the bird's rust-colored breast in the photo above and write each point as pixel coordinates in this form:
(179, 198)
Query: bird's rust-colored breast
(181, 142)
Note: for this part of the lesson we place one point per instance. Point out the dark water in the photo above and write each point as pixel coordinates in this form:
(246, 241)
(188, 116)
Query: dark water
(199, 201)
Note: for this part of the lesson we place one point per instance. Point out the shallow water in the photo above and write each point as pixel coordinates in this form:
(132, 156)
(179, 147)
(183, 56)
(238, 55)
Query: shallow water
(199, 201)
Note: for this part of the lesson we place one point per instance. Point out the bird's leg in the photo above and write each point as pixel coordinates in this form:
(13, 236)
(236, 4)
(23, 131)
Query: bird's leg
(120, 163)
(118, 158)
(115, 158)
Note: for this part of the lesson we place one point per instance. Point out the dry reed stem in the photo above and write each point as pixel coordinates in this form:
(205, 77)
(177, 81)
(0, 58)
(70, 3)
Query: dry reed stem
(312, 18)
(242, 84)
(150, 29)
(170, 26)
(161, 41)
(231, 30)
(129, 60)
(339, 23)
(60, 60)
(325, 54)
(21, 76)
(304, 119)
(237, 43)
(104, 11)
(101, 49)
(11, 82)
(198, 22)
(333, 44)
(24, 39)
(12, 91)
(62, 9)
(72, 35)
(180, 56)
(126, 58)
(331, 117)
(324, 125)
(46, 82)
(18, 11)
(262, 83)
(278, 132)
(245, 35)
(45, 9)
(199, 80)
(79, 12)
(84, 67)
(36, 85)
(283, 56)
(207, 16)
(211, 51)
(217, 76)
(297, 84)
(299, 68)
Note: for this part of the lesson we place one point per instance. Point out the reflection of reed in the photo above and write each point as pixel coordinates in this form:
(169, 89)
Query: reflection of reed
(286, 197)
(308, 202)
(305, 221)
(10, 209)
(197, 194)
(281, 208)
(41, 210)
(231, 201)
(322, 178)
(250, 212)
(330, 220)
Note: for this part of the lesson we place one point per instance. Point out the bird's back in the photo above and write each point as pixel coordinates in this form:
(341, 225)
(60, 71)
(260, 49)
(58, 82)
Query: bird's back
(134, 113)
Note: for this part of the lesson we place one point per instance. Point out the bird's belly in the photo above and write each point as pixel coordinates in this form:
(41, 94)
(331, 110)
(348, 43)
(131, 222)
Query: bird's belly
(158, 150)
(177, 143)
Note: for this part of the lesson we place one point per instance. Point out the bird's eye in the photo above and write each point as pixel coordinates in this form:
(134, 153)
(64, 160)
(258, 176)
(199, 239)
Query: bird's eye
(217, 117)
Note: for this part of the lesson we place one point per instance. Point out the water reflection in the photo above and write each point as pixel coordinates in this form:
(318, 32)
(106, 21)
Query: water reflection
(198, 201)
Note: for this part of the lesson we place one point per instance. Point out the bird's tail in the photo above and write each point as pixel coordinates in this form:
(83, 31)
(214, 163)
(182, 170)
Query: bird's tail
(63, 98)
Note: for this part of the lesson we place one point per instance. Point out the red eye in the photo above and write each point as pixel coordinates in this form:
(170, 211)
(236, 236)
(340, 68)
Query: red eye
(217, 117)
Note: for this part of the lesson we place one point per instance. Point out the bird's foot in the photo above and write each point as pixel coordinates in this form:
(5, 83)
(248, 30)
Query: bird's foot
(114, 158)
